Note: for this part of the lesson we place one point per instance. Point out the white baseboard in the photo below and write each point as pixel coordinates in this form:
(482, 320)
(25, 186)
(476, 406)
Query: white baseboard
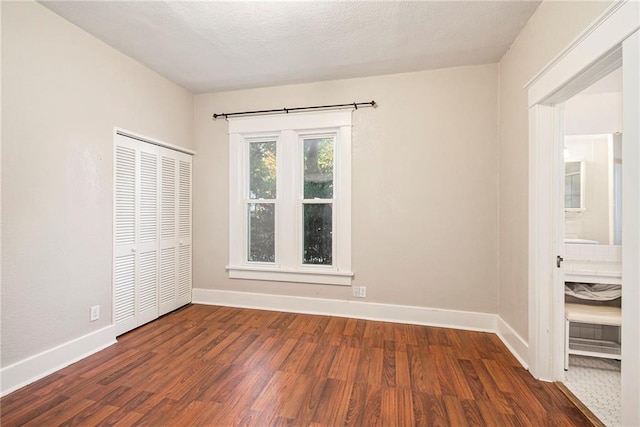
(514, 342)
(484, 322)
(472, 321)
(33, 368)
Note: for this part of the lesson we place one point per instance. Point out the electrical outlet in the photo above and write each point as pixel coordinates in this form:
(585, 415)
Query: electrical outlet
(360, 291)
(95, 313)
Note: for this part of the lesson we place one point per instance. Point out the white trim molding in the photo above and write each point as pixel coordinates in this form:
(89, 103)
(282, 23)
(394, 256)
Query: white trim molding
(33, 368)
(484, 322)
(513, 341)
(149, 140)
(631, 232)
(602, 38)
(544, 286)
(455, 319)
(298, 276)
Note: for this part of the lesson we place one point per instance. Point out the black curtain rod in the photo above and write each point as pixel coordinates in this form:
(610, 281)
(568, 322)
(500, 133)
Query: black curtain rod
(290, 110)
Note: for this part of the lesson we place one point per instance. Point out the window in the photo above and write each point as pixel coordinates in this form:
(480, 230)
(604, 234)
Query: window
(290, 198)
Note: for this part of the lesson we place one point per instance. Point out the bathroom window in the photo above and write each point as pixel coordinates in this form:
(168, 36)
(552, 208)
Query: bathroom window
(290, 191)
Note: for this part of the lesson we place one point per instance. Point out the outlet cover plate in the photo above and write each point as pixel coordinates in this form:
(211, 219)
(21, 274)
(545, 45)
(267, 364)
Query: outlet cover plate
(360, 291)
(95, 313)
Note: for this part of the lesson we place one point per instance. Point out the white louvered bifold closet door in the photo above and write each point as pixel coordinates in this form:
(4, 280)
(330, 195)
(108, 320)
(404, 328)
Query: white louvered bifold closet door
(125, 229)
(175, 230)
(152, 232)
(148, 242)
(184, 229)
(136, 234)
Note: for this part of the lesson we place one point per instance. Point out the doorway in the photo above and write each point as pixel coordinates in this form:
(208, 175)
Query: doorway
(610, 42)
(592, 267)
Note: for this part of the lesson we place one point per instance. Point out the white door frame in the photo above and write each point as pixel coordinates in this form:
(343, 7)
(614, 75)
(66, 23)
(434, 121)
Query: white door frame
(631, 232)
(596, 52)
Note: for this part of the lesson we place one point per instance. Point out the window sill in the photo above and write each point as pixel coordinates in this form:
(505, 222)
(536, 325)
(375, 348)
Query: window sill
(298, 276)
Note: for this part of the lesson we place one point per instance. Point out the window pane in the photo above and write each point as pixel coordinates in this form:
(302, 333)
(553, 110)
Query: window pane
(262, 170)
(262, 227)
(318, 168)
(317, 234)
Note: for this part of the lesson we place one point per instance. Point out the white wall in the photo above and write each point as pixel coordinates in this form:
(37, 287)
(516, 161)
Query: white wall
(593, 222)
(593, 114)
(424, 187)
(597, 109)
(63, 92)
(553, 26)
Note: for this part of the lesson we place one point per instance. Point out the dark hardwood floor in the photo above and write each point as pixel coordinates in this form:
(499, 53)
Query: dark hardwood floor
(219, 366)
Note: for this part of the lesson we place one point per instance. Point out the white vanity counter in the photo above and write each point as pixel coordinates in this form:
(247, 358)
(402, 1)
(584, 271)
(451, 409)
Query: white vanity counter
(586, 263)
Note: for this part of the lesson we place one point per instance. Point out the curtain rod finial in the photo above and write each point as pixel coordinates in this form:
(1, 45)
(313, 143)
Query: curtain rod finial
(374, 104)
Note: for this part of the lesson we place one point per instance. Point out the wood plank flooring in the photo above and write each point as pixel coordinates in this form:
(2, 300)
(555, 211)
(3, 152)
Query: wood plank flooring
(220, 366)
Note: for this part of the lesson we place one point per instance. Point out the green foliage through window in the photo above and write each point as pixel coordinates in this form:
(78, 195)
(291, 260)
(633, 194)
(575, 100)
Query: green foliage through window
(318, 239)
(262, 243)
(318, 184)
(262, 170)
(261, 216)
(318, 168)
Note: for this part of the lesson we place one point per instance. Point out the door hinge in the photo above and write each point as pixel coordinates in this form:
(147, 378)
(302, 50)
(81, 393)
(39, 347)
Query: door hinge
(559, 260)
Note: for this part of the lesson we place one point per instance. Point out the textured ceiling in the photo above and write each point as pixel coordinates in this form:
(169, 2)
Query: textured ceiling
(214, 46)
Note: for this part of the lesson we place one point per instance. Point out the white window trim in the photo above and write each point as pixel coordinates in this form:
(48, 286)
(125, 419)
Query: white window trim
(289, 129)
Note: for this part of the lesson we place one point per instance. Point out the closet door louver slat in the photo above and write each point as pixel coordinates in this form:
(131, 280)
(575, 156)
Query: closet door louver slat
(184, 230)
(168, 214)
(124, 284)
(169, 234)
(147, 296)
(148, 197)
(125, 189)
(167, 276)
(184, 274)
(185, 199)
(148, 301)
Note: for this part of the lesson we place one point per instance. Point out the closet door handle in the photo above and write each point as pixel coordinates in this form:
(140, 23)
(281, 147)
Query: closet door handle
(559, 260)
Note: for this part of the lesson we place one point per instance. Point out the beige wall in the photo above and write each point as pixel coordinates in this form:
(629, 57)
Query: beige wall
(424, 187)
(63, 92)
(549, 30)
